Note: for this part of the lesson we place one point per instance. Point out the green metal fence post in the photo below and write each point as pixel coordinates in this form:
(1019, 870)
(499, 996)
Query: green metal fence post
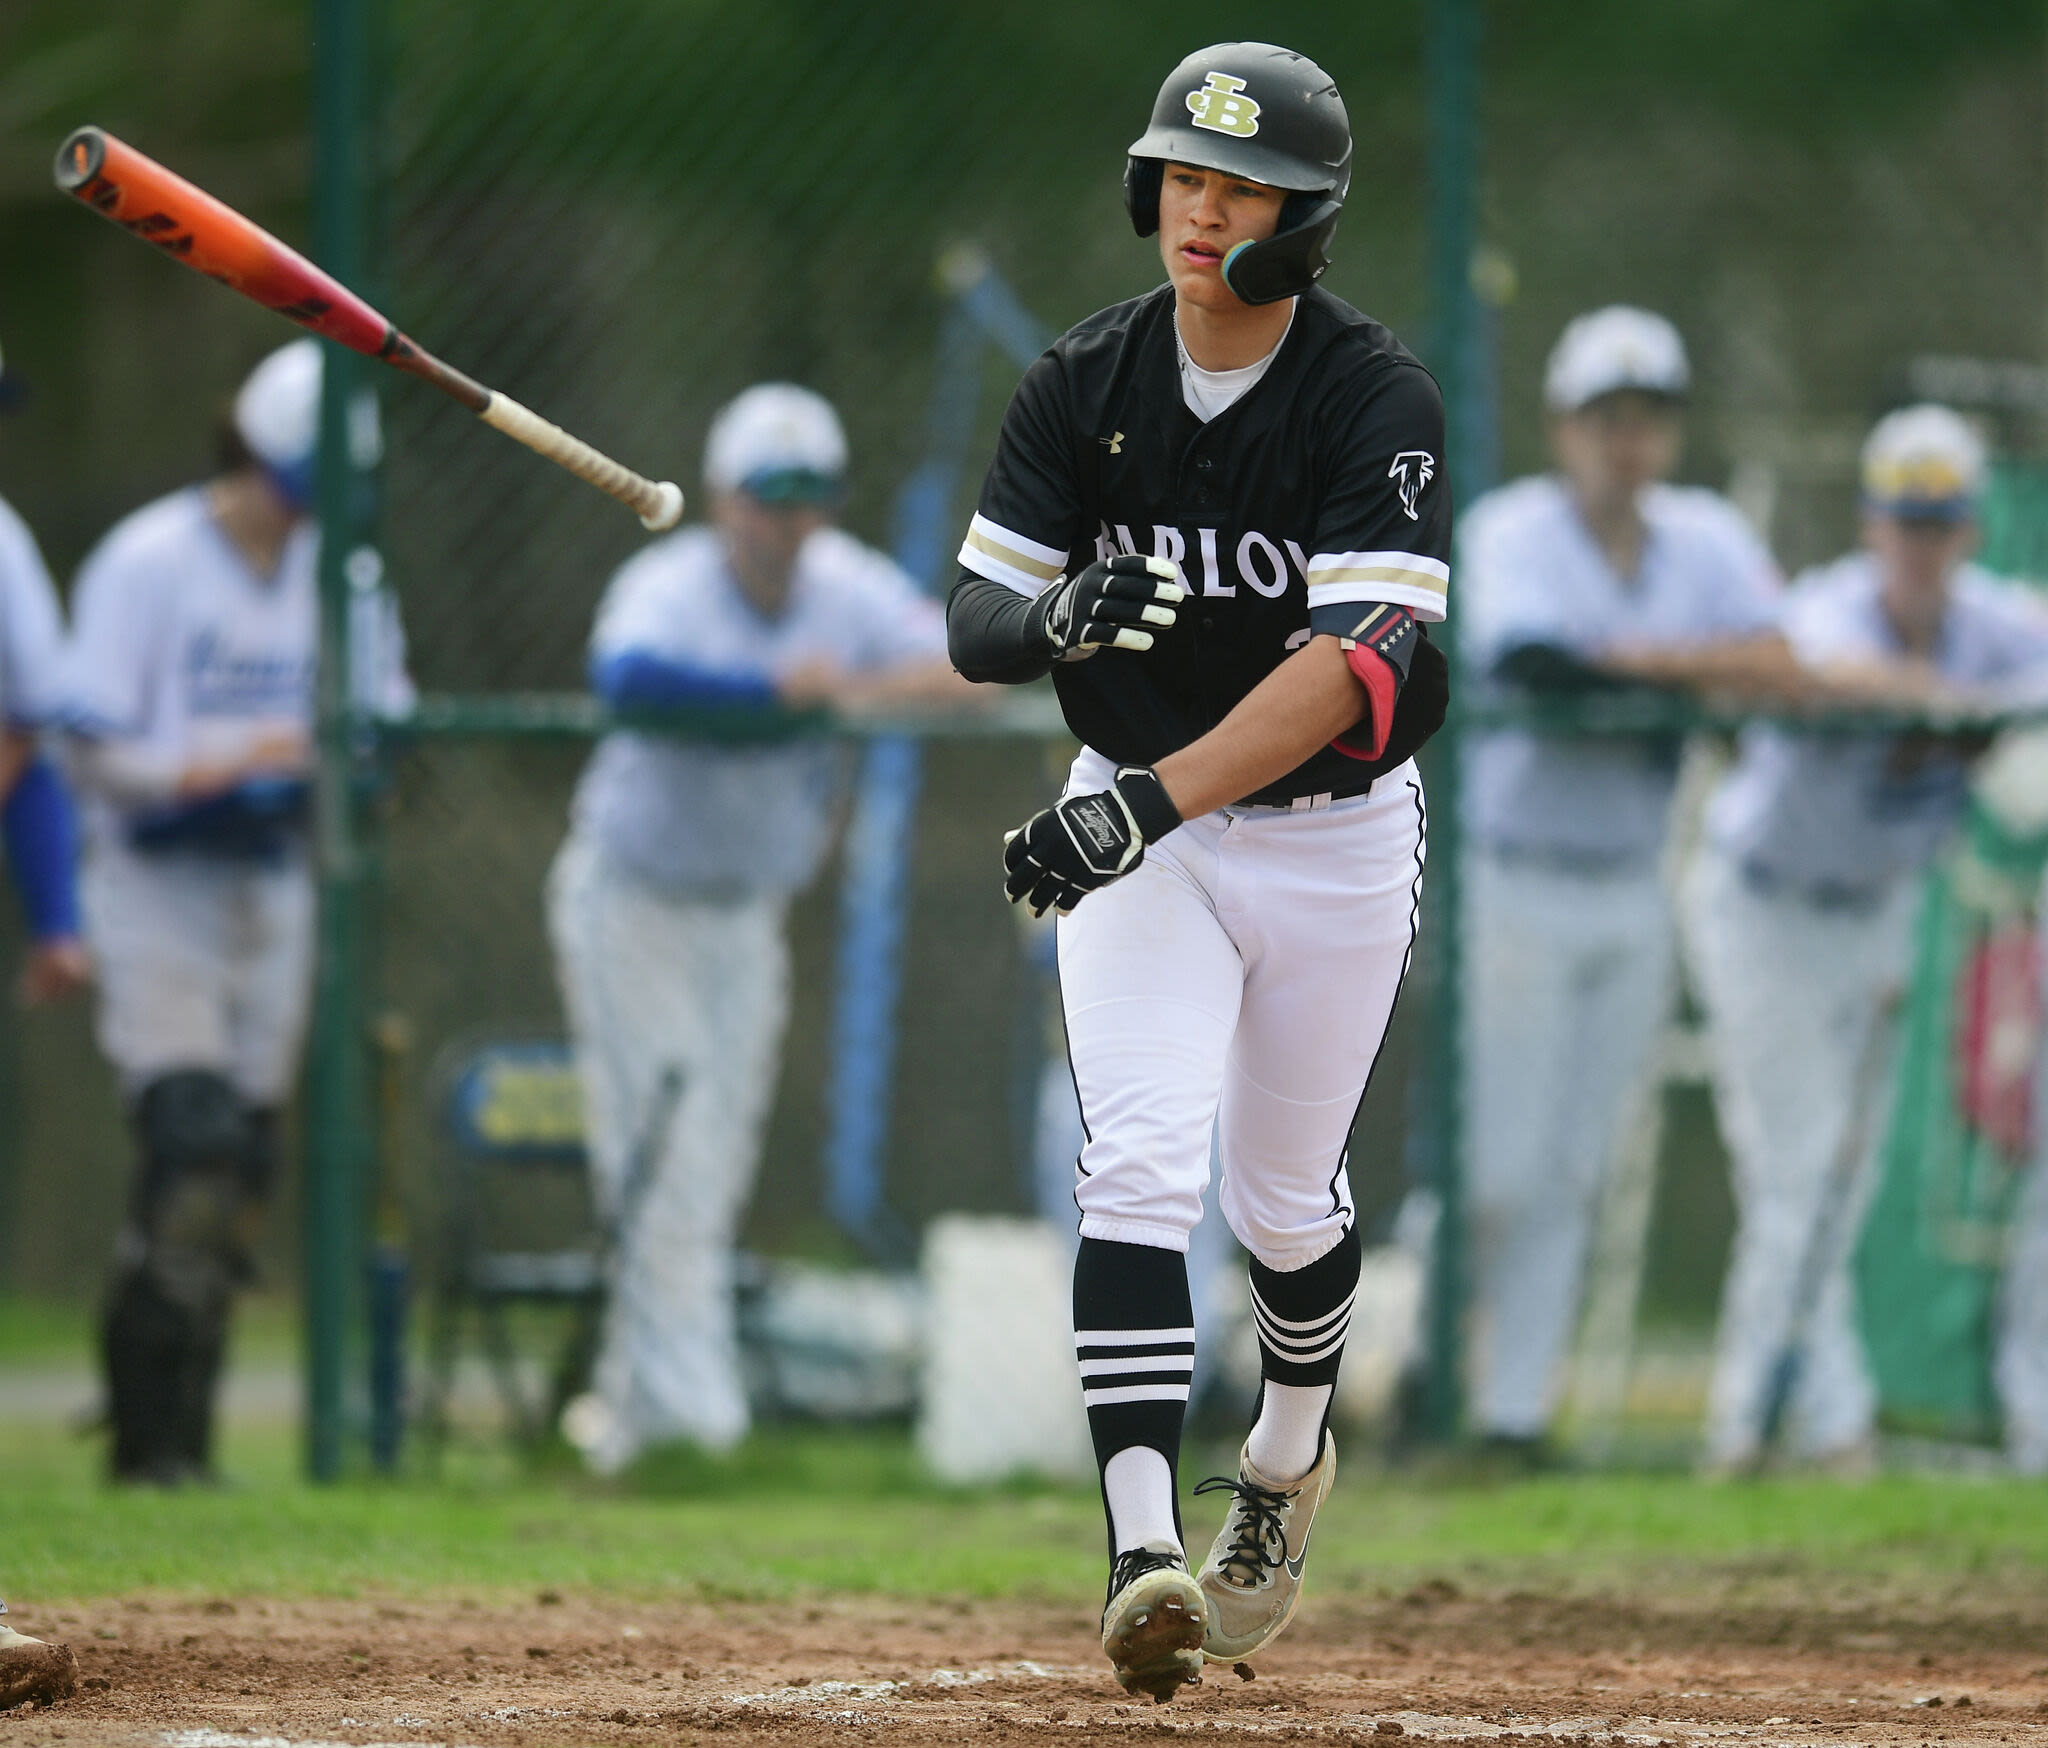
(337, 1082)
(1452, 54)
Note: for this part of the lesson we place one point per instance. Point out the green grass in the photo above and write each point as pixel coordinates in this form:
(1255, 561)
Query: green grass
(39, 1334)
(819, 1512)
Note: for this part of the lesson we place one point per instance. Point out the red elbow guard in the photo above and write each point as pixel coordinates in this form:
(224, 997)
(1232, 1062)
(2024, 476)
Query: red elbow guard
(1367, 739)
(1377, 653)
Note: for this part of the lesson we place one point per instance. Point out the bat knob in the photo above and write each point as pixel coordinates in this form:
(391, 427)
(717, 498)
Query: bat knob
(668, 508)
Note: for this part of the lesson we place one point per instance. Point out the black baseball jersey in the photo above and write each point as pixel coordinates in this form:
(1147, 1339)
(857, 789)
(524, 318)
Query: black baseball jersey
(1315, 494)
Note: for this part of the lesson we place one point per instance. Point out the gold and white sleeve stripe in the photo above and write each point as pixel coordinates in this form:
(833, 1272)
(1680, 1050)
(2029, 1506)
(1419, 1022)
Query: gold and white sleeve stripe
(1402, 579)
(993, 551)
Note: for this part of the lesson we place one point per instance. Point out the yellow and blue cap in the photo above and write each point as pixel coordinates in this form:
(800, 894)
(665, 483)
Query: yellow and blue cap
(1923, 464)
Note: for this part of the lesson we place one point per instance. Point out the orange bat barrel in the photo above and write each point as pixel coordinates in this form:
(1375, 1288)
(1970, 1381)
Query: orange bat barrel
(207, 235)
(162, 208)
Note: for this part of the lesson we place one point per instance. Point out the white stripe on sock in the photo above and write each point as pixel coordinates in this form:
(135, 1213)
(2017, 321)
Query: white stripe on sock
(1106, 1398)
(1306, 1356)
(1156, 1362)
(1314, 1323)
(1129, 1337)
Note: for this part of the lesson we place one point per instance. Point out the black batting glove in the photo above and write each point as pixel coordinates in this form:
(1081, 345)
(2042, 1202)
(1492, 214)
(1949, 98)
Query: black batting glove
(1056, 858)
(1110, 606)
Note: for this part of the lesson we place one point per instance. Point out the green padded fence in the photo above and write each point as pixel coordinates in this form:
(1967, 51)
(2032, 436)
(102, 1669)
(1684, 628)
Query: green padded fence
(1962, 1121)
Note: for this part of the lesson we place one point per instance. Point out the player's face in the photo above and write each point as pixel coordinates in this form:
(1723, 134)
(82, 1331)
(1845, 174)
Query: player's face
(1610, 449)
(763, 541)
(1915, 553)
(1203, 215)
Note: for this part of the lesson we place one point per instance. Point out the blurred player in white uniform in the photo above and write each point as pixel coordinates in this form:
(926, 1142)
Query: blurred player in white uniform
(39, 831)
(37, 825)
(194, 649)
(667, 903)
(2020, 1364)
(1593, 575)
(1799, 918)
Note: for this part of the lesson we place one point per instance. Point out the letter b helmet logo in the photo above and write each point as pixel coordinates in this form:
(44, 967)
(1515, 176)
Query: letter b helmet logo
(1219, 107)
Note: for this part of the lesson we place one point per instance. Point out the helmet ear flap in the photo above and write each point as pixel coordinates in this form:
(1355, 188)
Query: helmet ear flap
(1292, 259)
(1142, 180)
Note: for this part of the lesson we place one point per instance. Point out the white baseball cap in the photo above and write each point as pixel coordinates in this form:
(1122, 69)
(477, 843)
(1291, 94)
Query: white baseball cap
(779, 443)
(1923, 464)
(277, 411)
(1610, 349)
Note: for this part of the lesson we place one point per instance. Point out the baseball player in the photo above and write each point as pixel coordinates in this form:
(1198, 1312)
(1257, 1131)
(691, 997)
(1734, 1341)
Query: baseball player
(1799, 914)
(193, 653)
(37, 824)
(39, 831)
(1217, 517)
(2020, 1356)
(668, 900)
(1596, 573)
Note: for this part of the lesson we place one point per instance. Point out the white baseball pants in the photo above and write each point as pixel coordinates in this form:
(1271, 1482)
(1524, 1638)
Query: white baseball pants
(2022, 1353)
(653, 982)
(2021, 1358)
(1792, 993)
(1567, 981)
(1240, 980)
(202, 963)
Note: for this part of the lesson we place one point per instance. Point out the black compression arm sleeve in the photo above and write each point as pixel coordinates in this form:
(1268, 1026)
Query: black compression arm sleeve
(994, 633)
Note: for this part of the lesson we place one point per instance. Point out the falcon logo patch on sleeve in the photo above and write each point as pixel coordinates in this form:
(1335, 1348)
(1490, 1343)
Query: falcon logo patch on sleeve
(1410, 471)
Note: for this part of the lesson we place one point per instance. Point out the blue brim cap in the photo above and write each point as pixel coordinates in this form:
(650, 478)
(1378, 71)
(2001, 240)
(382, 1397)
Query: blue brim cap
(791, 485)
(1947, 511)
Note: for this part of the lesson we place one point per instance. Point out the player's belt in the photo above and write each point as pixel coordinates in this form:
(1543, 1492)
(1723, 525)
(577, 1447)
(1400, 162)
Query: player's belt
(1851, 898)
(1564, 859)
(1300, 803)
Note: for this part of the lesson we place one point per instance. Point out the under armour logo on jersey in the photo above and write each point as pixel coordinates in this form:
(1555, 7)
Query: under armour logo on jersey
(1115, 445)
(1218, 106)
(1410, 471)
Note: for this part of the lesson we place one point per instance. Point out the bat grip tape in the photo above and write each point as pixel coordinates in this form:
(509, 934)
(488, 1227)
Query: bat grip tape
(660, 504)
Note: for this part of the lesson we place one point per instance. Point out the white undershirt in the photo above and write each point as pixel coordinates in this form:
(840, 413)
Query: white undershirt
(1209, 392)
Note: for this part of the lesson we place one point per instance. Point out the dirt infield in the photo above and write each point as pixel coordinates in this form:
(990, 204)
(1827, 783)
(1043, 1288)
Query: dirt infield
(1433, 1663)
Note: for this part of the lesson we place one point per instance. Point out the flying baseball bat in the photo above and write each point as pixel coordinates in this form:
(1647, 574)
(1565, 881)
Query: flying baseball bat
(187, 223)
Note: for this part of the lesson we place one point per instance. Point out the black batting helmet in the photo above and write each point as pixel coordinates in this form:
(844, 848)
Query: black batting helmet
(1265, 113)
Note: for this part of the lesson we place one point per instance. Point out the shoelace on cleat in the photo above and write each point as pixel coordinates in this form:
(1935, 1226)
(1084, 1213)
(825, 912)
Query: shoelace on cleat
(1132, 1564)
(1261, 1541)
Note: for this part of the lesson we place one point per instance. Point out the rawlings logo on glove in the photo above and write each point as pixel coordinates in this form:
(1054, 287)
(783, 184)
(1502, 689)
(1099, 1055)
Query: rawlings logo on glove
(1056, 858)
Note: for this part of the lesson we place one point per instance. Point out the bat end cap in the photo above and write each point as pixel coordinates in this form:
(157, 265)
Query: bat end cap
(79, 158)
(668, 508)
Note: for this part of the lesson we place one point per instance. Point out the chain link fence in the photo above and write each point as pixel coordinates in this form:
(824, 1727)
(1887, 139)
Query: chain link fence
(625, 212)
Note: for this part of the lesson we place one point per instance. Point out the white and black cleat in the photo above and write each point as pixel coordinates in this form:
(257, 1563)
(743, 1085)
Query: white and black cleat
(1251, 1581)
(1153, 1622)
(33, 1671)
